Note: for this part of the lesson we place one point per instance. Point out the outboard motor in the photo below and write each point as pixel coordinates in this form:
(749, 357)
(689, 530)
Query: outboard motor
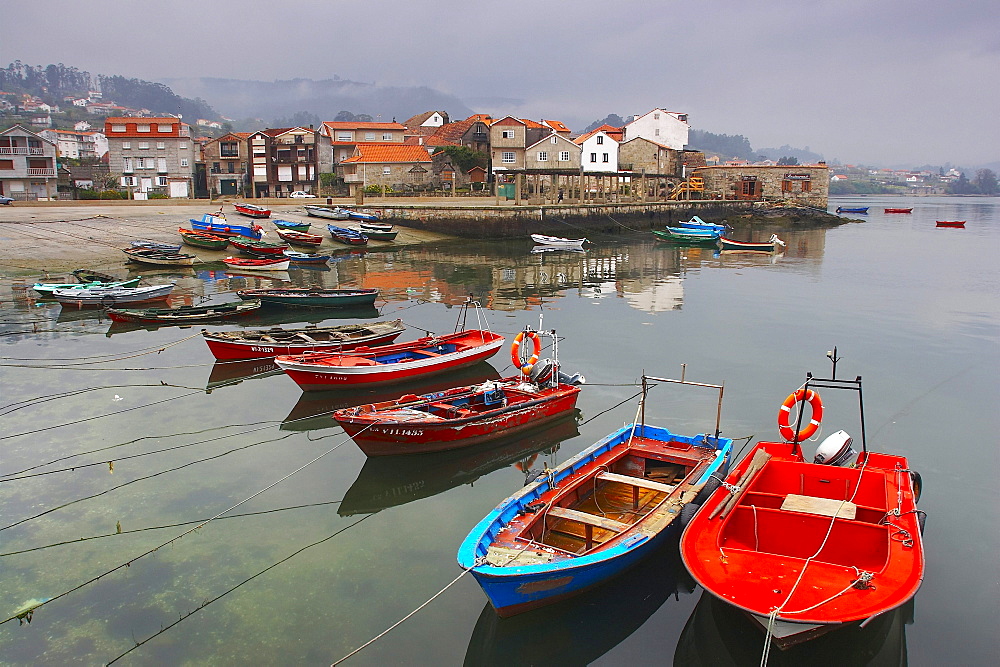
(574, 379)
(541, 373)
(835, 450)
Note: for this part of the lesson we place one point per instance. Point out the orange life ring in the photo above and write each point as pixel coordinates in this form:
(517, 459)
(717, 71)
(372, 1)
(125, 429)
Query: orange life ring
(515, 350)
(785, 412)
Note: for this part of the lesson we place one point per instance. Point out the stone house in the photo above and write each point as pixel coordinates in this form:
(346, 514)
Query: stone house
(283, 160)
(643, 155)
(509, 139)
(473, 133)
(802, 184)
(27, 165)
(151, 154)
(227, 161)
(388, 165)
(554, 151)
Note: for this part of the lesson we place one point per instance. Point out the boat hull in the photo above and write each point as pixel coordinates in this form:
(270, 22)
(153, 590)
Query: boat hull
(257, 264)
(46, 289)
(731, 244)
(782, 527)
(112, 296)
(899, 210)
(681, 237)
(347, 236)
(202, 240)
(558, 242)
(158, 258)
(546, 574)
(255, 344)
(950, 223)
(378, 234)
(252, 211)
(863, 209)
(288, 225)
(389, 430)
(297, 238)
(184, 314)
(385, 365)
(326, 212)
(217, 226)
(318, 298)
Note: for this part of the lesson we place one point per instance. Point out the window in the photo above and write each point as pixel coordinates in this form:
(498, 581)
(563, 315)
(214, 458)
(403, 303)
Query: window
(161, 165)
(216, 167)
(786, 186)
(387, 136)
(554, 139)
(299, 139)
(507, 157)
(128, 180)
(656, 116)
(184, 162)
(182, 146)
(369, 136)
(127, 165)
(232, 167)
(807, 186)
(543, 156)
(164, 127)
(143, 145)
(117, 128)
(6, 164)
(142, 128)
(564, 156)
(126, 145)
(656, 131)
(161, 181)
(600, 139)
(160, 145)
(593, 157)
(346, 136)
(386, 171)
(507, 134)
(605, 157)
(229, 149)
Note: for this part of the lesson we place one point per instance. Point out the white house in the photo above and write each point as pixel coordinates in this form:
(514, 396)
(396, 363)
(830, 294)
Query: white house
(661, 126)
(599, 149)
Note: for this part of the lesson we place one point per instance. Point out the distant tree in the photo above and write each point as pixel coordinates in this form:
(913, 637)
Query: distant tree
(986, 182)
(731, 146)
(344, 117)
(962, 186)
(612, 119)
(464, 157)
(300, 119)
(789, 161)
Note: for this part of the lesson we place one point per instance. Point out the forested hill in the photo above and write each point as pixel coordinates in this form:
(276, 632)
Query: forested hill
(52, 83)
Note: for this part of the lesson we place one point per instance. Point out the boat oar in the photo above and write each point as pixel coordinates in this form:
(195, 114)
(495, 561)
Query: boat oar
(756, 463)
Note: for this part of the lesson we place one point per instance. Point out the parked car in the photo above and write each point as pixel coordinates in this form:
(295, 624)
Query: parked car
(6, 200)
(299, 194)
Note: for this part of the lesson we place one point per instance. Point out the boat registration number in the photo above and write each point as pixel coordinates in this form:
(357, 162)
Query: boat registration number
(261, 349)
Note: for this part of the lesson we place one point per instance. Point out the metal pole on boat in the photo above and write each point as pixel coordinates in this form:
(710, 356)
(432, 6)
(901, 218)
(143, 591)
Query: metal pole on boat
(861, 405)
(832, 356)
(642, 401)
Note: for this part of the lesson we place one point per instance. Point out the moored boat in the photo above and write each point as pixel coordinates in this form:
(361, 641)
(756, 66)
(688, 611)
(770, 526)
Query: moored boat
(156, 245)
(158, 257)
(202, 239)
(558, 241)
(854, 209)
(217, 225)
(697, 223)
(297, 257)
(594, 516)
(330, 213)
(899, 210)
(807, 545)
(312, 298)
(302, 239)
(46, 289)
(771, 245)
(464, 416)
(368, 225)
(391, 363)
(252, 210)
(689, 236)
(359, 215)
(258, 264)
(91, 276)
(184, 314)
(257, 248)
(376, 232)
(950, 223)
(257, 343)
(111, 296)
(347, 236)
(292, 226)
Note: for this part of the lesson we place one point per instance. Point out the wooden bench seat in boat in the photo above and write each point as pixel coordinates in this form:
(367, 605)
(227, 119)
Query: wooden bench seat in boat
(641, 482)
(306, 337)
(588, 519)
(843, 509)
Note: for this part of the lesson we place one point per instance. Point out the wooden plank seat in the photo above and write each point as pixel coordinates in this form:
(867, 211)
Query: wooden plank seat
(306, 337)
(641, 482)
(588, 519)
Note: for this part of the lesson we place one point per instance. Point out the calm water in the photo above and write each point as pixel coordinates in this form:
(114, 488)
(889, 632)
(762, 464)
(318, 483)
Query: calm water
(128, 438)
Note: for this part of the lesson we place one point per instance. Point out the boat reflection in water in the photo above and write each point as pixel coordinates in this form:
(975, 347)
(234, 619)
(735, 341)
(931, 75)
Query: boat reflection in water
(313, 409)
(226, 373)
(717, 633)
(387, 481)
(579, 630)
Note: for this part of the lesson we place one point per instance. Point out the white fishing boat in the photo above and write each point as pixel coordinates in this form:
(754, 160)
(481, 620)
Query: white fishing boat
(111, 296)
(558, 241)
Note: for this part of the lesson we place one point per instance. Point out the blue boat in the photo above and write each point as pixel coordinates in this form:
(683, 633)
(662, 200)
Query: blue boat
(697, 223)
(859, 209)
(347, 236)
(297, 257)
(358, 215)
(595, 515)
(219, 226)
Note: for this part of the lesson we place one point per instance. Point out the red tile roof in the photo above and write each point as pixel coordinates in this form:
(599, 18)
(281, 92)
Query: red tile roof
(382, 153)
(556, 125)
(362, 125)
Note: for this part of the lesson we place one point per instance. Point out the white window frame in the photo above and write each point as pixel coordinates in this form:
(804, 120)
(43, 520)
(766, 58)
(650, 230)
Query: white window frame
(593, 157)
(143, 145)
(128, 181)
(161, 145)
(161, 181)
(164, 127)
(118, 128)
(345, 136)
(564, 156)
(543, 156)
(182, 146)
(369, 136)
(184, 162)
(606, 157)
(142, 128)
(506, 134)
(554, 140)
(508, 157)
(386, 171)
(387, 136)
(126, 145)
(600, 139)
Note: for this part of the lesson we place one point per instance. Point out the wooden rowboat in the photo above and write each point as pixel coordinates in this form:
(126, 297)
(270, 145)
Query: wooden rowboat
(184, 314)
(91, 276)
(252, 210)
(688, 236)
(855, 209)
(377, 232)
(697, 223)
(313, 298)
(899, 210)
(258, 248)
(258, 343)
(306, 257)
(290, 225)
(558, 241)
(806, 545)
(156, 245)
(300, 238)
(46, 289)
(950, 223)
(111, 296)
(202, 240)
(347, 236)
(217, 225)
(327, 212)
(276, 264)
(158, 257)
(766, 246)
(592, 517)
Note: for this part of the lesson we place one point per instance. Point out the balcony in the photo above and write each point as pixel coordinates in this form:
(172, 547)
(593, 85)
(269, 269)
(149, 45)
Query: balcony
(41, 172)
(353, 178)
(21, 150)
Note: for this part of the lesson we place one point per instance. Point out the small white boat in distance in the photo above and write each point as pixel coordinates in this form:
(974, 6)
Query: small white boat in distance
(558, 241)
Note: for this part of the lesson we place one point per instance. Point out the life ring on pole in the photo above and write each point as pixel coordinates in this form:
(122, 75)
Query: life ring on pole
(785, 413)
(515, 350)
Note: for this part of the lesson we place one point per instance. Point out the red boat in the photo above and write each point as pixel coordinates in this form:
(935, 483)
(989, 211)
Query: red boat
(391, 363)
(899, 210)
(252, 210)
(258, 248)
(808, 545)
(300, 238)
(951, 223)
(462, 416)
(258, 343)
(276, 264)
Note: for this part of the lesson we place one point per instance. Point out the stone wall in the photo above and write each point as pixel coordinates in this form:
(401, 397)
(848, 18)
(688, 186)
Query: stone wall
(803, 184)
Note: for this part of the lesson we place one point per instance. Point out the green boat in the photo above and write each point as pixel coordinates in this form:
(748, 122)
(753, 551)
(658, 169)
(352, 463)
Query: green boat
(688, 239)
(293, 226)
(202, 240)
(46, 289)
(312, 298)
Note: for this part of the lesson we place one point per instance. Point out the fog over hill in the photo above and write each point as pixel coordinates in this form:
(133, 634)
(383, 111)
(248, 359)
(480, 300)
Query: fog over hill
(268, 100)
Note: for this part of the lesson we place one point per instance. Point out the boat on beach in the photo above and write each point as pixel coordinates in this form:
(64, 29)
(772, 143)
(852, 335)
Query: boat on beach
(158, 257)
(378, 232)
(256, 248)
(258, 343)
(156, 245)
(202, 240)
(594, 516)
(330, 213)
(464, 416)
(347, 236)
(252, 210)
(258, 264)
(301, 239)
(111, 296)
(558, 241)
(291, 226)
(950, 223)
(771, 245)
(91, 276)
(297, 257)
(184, 314)
(217, 225)
(805, 545)
(292, 297)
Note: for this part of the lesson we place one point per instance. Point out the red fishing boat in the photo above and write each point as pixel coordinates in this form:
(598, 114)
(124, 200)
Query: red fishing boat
(899, 210)
(300, 238)
(806, 545)
(252, 210)
(463, 416)
(258, 248)
(951, 223)
(258, 343)
(277, 264)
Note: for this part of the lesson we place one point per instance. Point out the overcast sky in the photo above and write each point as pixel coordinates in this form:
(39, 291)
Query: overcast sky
(872, 81)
